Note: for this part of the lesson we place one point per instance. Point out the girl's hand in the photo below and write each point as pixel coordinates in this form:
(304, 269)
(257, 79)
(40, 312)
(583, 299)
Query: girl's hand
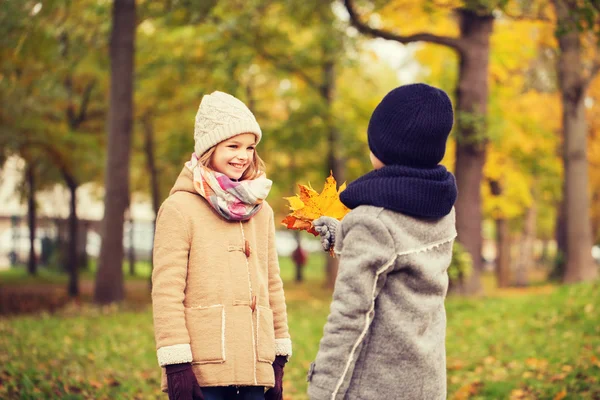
(276, 392)
(182, 383)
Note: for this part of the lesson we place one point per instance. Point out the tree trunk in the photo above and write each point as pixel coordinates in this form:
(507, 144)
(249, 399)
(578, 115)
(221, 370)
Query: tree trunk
(471, 111)
(82, 256)
(526, 259)
(72, 264)
(334, 162)
(154, 182)
(502, 253)
(503, 242)
(297, 261)
(109, 278)
(595, 219)
(544, 257)
(131, 252)
(560, 260)
(31, 211)
(579, 263)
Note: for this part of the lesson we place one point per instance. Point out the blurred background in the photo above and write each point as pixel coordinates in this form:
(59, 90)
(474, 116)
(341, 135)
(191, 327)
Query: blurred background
(98, 100)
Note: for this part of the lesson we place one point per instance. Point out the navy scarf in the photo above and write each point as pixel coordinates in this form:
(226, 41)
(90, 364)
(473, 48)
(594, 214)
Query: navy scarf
(418, 192)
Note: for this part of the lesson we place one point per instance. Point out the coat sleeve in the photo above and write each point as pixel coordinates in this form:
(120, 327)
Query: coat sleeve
(171, 249)
(366, 257)
(283, 343)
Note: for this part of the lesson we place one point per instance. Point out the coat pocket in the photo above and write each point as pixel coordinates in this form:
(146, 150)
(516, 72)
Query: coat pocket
(265, 336)
(206, 327)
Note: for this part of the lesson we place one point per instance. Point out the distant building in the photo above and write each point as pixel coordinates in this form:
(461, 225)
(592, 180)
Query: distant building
(53, 207)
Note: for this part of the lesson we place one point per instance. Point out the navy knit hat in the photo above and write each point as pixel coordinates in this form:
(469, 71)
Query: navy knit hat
(411, 125)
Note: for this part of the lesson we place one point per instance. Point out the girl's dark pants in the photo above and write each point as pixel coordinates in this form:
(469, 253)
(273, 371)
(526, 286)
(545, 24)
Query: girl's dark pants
(234, 393)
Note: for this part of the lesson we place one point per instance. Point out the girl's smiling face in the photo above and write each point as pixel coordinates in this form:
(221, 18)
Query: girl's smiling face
(233, 156)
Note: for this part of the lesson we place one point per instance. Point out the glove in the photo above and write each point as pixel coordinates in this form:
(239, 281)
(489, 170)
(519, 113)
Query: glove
(276, 392)
(182, 383)
(327, 227)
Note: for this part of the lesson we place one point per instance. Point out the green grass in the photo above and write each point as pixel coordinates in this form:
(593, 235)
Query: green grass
(536, 345)
(539, 343)
(45, 275)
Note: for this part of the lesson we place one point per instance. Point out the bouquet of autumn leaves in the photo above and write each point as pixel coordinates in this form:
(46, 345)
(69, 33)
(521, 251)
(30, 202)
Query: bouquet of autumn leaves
(310, 205)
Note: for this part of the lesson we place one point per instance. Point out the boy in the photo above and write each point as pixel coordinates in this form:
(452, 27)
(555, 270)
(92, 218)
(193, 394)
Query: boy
(385, 334)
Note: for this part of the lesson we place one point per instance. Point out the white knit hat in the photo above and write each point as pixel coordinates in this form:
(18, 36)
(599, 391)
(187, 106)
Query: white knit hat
(220, 117)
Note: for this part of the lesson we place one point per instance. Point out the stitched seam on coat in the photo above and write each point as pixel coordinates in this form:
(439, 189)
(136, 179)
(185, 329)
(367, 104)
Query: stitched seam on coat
(257, 330)
(254, 340)
(258, 334)
(204, 307)
(223, 334)
(223, 358)
(427, 247)
(365, 329)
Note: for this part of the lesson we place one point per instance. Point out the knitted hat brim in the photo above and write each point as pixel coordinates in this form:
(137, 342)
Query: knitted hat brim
(205, 142)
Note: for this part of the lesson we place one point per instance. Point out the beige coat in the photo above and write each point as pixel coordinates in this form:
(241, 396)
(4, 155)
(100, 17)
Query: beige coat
(217, 296)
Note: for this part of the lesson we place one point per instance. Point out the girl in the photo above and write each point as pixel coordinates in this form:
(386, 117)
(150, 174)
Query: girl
(220, 318)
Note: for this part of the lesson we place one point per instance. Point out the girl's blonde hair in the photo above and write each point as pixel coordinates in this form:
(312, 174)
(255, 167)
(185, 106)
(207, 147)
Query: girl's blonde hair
(256, 167)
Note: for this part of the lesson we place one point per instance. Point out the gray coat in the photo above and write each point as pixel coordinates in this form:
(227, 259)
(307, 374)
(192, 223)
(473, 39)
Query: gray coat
(385, 334)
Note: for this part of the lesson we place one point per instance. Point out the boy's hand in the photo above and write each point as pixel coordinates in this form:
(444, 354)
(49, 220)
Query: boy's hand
(327, 227)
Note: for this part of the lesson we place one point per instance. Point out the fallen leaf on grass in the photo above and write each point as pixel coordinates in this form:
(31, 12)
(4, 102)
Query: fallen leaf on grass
(468, 390)
(558, 377)
(518, 394)
(95, 384)
(561, 395)
(489, 360)
(456, 365)
(536, 364)
(111, 381)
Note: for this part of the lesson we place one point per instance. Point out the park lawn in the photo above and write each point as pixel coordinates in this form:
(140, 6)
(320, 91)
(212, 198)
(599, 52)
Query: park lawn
(18, 275)
(538, 343)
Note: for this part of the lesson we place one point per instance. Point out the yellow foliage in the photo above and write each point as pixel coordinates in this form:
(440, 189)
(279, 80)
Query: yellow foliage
(413, 17)
(310, 205)
(516, 194)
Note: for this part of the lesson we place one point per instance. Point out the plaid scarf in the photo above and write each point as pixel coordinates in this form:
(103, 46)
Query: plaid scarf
(233, 200)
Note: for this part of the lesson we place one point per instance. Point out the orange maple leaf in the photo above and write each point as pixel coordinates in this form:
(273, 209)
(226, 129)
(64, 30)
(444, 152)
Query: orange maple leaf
(310, 205)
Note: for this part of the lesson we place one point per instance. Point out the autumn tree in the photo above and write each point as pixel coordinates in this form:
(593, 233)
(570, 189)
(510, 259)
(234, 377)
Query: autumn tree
(109, 278)
(55, 101)
(475, 22)
(470, 41)
(577, 37)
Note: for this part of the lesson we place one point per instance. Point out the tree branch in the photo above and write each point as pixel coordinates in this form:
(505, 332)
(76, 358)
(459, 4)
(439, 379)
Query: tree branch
(57, 159)
(454, 43)
(533, 18)
(85, 99)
